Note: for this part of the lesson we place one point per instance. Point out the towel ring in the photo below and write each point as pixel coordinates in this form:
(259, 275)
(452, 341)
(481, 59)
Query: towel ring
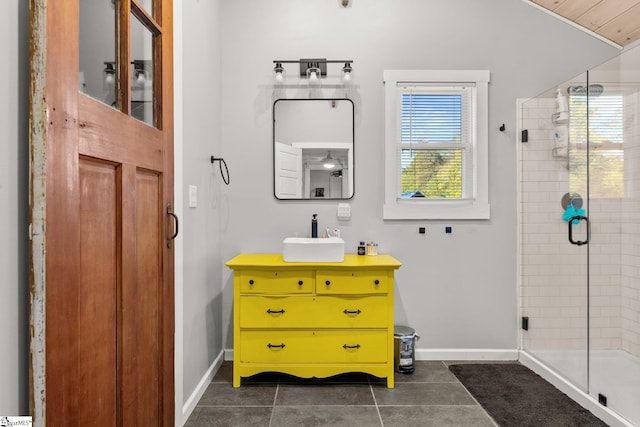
(226, 169)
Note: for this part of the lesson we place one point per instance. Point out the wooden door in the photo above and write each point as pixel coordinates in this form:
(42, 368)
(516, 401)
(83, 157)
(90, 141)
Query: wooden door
(102, 261)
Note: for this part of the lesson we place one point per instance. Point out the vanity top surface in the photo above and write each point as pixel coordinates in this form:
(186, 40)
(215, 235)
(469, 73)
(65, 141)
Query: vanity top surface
(277, 261)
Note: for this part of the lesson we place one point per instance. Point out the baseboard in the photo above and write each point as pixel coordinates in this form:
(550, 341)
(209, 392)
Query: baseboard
(466, 354)
(197, 393)
(583, 399)
(228, 354)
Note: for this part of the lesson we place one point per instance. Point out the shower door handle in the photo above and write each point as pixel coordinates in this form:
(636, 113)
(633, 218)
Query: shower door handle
(578, 218)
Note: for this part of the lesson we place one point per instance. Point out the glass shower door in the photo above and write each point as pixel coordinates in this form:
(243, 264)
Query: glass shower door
(614, 249)
(554, 211)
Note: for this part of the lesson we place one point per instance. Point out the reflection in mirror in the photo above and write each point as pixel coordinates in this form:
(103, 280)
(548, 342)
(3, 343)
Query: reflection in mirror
(141, 72)
(313, 148)
(97, 50)
(98, 70)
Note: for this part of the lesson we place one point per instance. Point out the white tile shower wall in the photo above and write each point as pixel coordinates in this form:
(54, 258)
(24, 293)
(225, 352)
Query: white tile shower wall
(554, 272)
(605, 274)
(552, 295)
(630, 225)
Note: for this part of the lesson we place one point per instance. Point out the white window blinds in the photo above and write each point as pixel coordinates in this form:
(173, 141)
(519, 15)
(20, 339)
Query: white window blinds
(435, 144)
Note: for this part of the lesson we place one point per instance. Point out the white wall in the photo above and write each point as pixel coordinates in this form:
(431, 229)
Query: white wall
(14, 289)
(458, 291)
(201, 236)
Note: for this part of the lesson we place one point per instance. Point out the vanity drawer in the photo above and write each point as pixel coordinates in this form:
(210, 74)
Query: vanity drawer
(352, 282)
(304, 346)
(276, 281)
(314, 311)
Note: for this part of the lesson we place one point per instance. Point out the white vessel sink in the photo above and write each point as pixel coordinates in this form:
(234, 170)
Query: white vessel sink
(306, 249)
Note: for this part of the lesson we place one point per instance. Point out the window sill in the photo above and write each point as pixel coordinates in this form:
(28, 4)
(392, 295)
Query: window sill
(436, 210)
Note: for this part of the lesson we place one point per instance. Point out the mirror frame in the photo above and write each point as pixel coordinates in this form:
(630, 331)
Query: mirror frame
(273, 142)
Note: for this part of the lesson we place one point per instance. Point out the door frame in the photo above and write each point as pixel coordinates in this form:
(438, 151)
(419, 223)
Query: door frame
(37, 185)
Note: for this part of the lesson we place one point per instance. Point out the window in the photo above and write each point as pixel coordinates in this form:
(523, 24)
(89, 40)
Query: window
(436, 144)
(606, 141)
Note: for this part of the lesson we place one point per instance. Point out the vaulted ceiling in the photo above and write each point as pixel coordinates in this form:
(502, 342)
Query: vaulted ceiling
(615, 20)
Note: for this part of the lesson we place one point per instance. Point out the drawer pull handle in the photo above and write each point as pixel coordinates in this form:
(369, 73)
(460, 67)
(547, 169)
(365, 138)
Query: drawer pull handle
(328, 282)
(377, 282)
(276, 345)
(281, 311)
(352, 311)
(251, 282)
(300, 282)
(348, 347)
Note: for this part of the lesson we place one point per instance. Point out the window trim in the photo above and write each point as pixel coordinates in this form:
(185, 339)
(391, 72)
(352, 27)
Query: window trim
(478, 206)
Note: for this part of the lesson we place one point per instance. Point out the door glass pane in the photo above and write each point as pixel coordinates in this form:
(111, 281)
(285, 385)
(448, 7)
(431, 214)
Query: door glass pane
(554, 271)
(97, 50)
(142, 94)
(614, 248)
(147, 5)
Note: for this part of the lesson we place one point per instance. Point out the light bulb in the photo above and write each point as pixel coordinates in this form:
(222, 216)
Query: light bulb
(346, 73)
(313, 76)
(279, 73)
(140, 79)
(109, 78)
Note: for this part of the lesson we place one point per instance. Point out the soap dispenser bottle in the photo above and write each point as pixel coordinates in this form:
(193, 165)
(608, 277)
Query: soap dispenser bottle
(314, 226)
(562, 106)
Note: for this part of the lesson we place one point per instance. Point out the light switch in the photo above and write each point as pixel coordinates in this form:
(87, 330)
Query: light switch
(344, 211)
(193, 196)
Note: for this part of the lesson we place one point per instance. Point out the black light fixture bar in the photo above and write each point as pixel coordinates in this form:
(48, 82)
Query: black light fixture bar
(311, 63)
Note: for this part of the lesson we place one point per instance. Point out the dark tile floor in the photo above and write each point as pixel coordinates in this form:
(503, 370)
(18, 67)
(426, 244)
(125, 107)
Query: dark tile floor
(431, 396)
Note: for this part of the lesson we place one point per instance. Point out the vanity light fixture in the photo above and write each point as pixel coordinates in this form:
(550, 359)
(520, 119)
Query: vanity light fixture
(312, 75)
(140, 77)
(141, 71)
(109, 72)
(346, 73)
(312, 68)
(279, 73)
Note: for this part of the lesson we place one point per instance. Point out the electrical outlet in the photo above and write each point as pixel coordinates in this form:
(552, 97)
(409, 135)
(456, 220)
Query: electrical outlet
(602, 399)
(422, 230)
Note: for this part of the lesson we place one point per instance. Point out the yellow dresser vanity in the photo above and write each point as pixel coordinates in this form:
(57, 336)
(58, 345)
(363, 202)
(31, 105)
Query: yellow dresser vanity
(313, 320)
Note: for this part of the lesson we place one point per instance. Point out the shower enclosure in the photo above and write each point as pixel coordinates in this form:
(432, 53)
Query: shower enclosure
(580, 236)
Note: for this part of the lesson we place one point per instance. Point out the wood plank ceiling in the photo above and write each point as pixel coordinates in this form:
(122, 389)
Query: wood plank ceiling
(615, 20)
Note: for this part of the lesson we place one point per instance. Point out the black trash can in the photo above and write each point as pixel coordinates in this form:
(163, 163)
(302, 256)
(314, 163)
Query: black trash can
(404, 342)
